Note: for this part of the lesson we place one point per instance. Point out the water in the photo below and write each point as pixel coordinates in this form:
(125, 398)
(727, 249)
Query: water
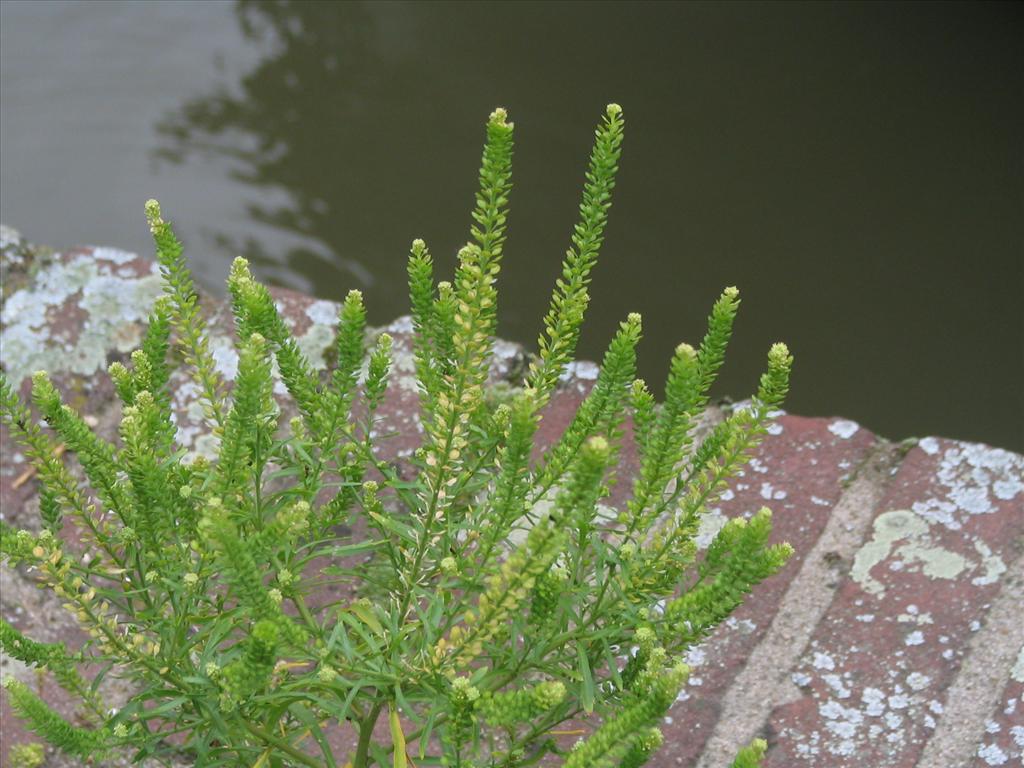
(857, 170)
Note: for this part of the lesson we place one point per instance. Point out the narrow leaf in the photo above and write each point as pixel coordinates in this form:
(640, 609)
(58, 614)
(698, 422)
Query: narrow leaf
(397, 738)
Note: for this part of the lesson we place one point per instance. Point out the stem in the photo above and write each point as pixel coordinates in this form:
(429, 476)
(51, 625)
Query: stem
(307, 617)
(365, 734)
(280, 744)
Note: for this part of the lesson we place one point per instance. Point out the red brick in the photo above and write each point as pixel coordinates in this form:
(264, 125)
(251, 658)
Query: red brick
(798, 474)
(875, 672)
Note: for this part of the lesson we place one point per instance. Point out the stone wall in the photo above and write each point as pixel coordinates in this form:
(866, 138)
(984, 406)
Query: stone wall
(892, 638)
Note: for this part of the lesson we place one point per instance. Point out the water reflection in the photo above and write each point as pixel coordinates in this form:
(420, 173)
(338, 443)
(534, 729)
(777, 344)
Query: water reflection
(854, 168)
(288, 126)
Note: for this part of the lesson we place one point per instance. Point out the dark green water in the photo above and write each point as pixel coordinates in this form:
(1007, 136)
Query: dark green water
(857, 170)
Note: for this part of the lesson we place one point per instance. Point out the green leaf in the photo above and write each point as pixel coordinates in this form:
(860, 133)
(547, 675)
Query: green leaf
(611, 664)
(365, 613)
(347, 704)
(405, 706)
(397, 738)
(356, 549)
(586, 680)
(303, 715)
(424, 738)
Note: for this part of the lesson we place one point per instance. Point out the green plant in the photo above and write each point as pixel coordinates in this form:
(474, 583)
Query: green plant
(498, 593)
(26, 755)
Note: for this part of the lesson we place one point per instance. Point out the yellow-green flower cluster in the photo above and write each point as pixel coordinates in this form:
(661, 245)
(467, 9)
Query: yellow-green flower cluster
(462, 701)
(506, 590)
(631, 727)
(31, 755)
(547, 591)
(516, 707)
(738, 558)
(248, 674)
(751, 755)
(557, 344)
(187, 317)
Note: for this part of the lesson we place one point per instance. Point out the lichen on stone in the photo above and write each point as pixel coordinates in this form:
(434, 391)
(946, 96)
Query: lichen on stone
(73, 313)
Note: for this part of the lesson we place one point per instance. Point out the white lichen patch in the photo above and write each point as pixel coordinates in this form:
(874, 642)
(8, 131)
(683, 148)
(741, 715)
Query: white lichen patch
(844, 428)
(10, 239)
(857, 715)
(899, 701)
(903, 538)
(746, 626)
(113, 255)
(998, 751)
(323, 313)
(580, 370)
(837, 684)
(206, 445)
(695, 656)
(769, 491)
(992, 564)
(114, 308)
(800, 679)
(403, 362)
(505, 354)
(874, 701)
(711, 523)
(992, 755)
(314, 344)
(187, 415)
(914, 615)
(843, 723)
(823, 661)
(1017, 732)
(974, 478)
(1017, 673)
(225, 357)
